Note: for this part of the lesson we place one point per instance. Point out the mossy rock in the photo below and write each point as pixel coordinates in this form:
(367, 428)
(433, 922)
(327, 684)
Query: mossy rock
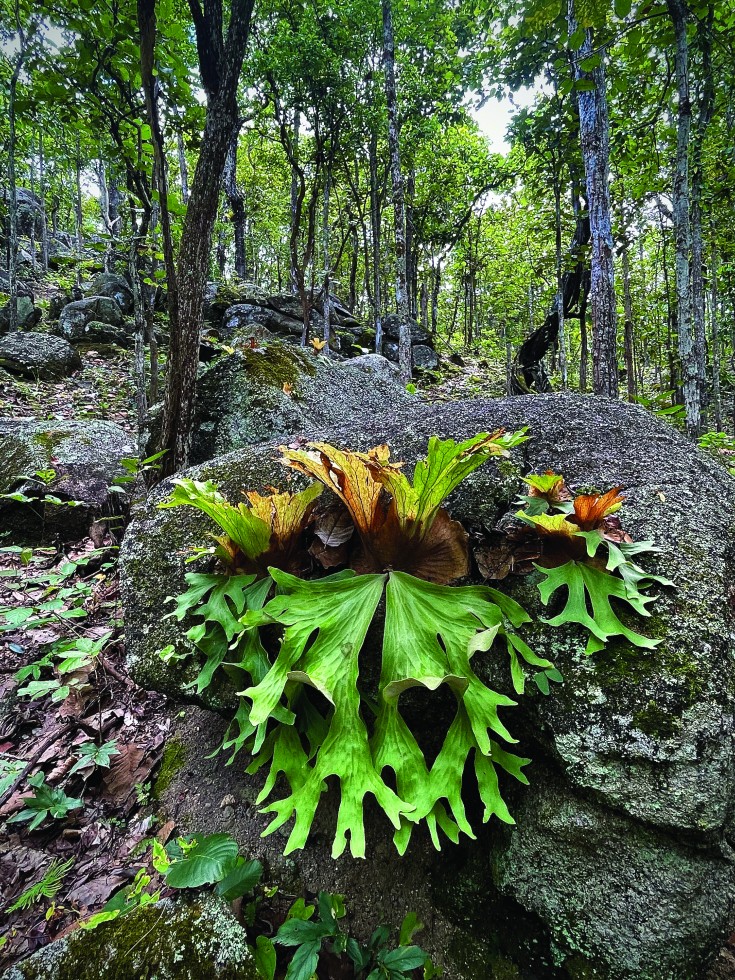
(657, 782)
(85, 457)
(254, 395)
(175, 939)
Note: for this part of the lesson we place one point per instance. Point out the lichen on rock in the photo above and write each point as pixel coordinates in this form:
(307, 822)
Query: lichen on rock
(180, 938)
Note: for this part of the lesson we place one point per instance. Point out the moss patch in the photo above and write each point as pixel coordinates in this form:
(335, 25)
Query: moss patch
(279, 364)
(174, 757)
(653, 720)
(176, 939)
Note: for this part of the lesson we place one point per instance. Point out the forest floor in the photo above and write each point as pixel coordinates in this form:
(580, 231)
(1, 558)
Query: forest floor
(65, 692)
(74, 715)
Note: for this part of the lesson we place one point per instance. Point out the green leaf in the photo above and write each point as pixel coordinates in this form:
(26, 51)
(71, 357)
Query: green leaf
(207, 862)
(325, 626)
(304, 961)
(409, 927)
(241, 880)
(404, 959)
(586, 584)
(249, 533)
(294, 932)
(265, 958)
(429, 634)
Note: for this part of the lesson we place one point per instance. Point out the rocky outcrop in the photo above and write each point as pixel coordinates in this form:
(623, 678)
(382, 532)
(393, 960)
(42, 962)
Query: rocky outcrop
(28, 314)
(237, 309)
(38, 355)
(181, 938)
(257, 394)
(115, 287)
(97, 319)
(85, 458)
(620, 865)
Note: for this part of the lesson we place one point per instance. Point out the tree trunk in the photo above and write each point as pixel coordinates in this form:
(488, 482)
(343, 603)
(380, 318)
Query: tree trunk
(375, 230)
(399, 212)
(183, 167)
(411, 256)
(561, 337)
(705, 107)
(529, 373)
(296, 203)
(13, 201)
(714, 321)
(629, 341)
(220, 64)
(236, 204)
(42, 196)
(78, 217)
(595, 140)
(147, 26)
(691, 387)
(327, 304)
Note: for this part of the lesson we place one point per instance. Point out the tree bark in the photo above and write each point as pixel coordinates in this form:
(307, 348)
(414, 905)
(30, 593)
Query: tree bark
(715, 335)
(42, 196)
(296, 204)
(705, 108)
(220, 58)
(147, 27)
(12, 182)
(183, 167)
(629, 337)
(236, 203)
(327, 304)
(399, 211)
(375, 236)
(595, 140)
(529, 373)
(691, 387)
(78, 217)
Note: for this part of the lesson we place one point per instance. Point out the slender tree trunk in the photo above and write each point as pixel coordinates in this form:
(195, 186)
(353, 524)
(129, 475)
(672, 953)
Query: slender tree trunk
(691, 383)
(78, 217)
(295, 202)
(424, 304)
(236, 203)
(12, 183)
(435, 298)
(629, 338)
(399, 211)
(375, 235)
(327, 305)
(220, 63)
(561, 339)
(595, 139)
(705, 107)
(411, 257)
(714, 321)
(183, 167)
(42, 196)
(354, 259)
(584, 352)
(147, 26)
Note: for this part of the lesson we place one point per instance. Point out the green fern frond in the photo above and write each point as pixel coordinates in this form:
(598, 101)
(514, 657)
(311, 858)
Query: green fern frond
(47, 887)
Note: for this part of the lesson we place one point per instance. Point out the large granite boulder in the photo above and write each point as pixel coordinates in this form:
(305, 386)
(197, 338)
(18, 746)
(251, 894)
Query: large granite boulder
(244, 314)
(115, 287)
(620, 865)
(96, 319)
(258, 394)
(28, 314)
(85, 457)
(195, 938)
(38, 355)
(392, 329)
